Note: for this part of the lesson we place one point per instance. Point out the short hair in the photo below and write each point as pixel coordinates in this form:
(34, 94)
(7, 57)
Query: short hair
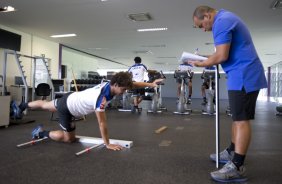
(137, 59)
(122, 79)
(201, 10)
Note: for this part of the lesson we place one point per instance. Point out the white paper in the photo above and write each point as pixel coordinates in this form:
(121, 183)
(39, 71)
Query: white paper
(189, 56)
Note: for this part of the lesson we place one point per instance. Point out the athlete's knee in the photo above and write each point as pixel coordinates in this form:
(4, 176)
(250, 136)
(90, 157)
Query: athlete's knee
(69, 139)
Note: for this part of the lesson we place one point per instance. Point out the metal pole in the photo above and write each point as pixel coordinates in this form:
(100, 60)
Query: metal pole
(33, 79)
(4, 73)
(217, 116)
(88, 149)
(22, 74)
(32, 142)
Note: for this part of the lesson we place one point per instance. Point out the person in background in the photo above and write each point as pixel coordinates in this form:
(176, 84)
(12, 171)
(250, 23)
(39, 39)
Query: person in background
(138, 71)
(185, 66)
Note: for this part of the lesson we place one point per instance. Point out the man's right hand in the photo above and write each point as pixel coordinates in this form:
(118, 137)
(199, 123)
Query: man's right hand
(114, 147)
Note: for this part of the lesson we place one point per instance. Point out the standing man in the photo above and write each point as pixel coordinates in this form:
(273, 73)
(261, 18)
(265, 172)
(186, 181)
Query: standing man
(185, 66)
(237, 55)
(138, 71)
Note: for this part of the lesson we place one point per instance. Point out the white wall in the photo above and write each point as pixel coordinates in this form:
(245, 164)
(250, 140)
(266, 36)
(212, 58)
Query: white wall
(31, 46)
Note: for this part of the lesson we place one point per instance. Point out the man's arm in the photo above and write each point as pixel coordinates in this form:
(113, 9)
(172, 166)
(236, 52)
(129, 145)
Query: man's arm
(145, 84)
(221, 55)
(101, 116)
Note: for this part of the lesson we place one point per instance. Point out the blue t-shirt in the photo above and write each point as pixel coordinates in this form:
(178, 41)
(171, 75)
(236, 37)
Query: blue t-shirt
(243, 66)
(104, 98)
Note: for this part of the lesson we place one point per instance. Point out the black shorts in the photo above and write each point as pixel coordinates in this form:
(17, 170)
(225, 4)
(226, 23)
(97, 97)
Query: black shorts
(179, 81)
(206, 84)
(65, 117)
(139, 92)
(242, 104)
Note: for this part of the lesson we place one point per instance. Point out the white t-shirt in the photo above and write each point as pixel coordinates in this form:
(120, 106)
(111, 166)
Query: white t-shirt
(138, 72)
(185, 67)
(90, 100)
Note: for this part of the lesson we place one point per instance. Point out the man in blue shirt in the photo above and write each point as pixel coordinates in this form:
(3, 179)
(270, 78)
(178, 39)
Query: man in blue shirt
(236, 53)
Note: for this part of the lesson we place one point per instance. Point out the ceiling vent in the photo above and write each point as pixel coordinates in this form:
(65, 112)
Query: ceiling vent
(140, 17)
(277, 4)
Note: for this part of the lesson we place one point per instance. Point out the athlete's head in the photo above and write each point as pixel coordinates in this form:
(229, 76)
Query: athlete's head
(122, 81)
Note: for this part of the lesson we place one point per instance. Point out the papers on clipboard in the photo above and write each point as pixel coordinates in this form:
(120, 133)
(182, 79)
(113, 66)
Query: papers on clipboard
(189, 56)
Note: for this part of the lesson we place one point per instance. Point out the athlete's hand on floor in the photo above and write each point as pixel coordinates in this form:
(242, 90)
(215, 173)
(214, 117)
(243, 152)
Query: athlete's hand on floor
(114, 147)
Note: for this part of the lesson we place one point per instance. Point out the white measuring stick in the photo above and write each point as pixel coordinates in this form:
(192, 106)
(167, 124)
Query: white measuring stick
(31, 142)
(88, 149)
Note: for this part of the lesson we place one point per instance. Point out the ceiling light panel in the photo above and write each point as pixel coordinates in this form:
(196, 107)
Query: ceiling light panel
(63, 35)
(152, 29)
(7, 9)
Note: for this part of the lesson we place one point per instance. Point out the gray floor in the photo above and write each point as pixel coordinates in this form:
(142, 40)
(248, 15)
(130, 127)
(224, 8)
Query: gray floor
(185, 160)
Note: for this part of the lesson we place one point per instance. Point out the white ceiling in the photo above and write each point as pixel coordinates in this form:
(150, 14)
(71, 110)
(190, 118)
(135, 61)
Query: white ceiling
(106, 25)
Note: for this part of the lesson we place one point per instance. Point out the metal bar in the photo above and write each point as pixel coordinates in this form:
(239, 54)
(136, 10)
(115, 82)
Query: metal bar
(45, 61)
(31, 142)
(217, 116)
(22, 74)
(88, 149)
(33, 79)
(4, 74)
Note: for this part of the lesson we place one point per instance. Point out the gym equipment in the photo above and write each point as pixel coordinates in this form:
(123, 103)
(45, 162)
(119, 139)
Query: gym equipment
(127, 101)
(182, 101)
(217, 122)
(83, 139)
(209, 108)
(87, 150)
(15, 118)
(156, 105)
(228, 111)
(22, 72)
(95, 140)
(279, 110)
(31, 142)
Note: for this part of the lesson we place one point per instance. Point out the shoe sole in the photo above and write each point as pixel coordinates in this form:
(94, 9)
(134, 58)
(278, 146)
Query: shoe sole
(236, 180)
(34, 132)
(17, 112)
